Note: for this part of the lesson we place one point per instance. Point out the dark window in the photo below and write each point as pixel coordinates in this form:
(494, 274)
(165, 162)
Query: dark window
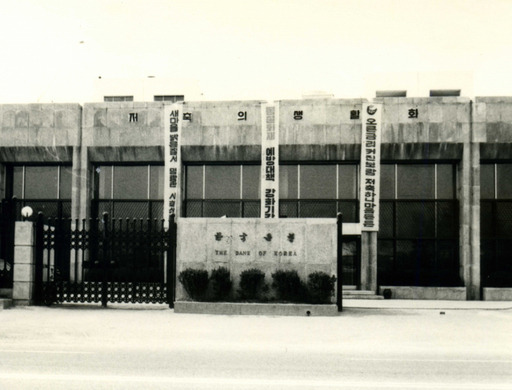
(222, 182)
(318, 191)
(504, 181)
(496, 224)
(222, 190)
(45, 188)
(129, 191)
(418, 236)
(288, 182)
(415, 181)
(318, 182)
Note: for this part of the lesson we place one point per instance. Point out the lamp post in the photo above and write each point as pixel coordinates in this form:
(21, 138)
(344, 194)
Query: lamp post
(26, 212)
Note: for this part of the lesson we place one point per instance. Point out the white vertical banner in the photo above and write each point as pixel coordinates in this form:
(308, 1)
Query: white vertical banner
(270, 160)
(370, 167)
(172, 127)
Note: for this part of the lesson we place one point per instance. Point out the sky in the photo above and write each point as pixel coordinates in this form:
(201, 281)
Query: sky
(55, 50)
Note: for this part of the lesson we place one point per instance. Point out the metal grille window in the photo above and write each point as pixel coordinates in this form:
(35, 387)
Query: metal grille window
(169, 98)
(118, 98)
(318, 191)
(222, 190)
(496, 224)
(129, 191)
(418, 236)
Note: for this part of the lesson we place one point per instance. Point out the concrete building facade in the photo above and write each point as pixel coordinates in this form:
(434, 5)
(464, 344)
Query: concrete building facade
(445, 199)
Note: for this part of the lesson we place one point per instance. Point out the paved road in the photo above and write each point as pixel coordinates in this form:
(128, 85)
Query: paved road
(51, 348)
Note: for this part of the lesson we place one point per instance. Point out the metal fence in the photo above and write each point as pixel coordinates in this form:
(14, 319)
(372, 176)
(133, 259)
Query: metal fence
(105, 260)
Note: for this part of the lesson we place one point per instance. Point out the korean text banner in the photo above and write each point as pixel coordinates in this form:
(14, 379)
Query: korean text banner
(172, 128)
(270, 160)
(370, 167)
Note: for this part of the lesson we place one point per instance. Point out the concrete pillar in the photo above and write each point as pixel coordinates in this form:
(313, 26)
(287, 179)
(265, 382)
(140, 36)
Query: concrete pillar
(469, 213)
(24, 264)
(474, 289)
(369, 261)
(86, 184)
(76, 183)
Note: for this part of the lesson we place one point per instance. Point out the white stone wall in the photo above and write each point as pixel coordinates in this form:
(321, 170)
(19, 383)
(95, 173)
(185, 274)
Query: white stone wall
(304, 245)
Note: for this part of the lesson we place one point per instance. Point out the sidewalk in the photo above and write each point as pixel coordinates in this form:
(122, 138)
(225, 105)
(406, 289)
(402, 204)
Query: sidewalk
(415, 304)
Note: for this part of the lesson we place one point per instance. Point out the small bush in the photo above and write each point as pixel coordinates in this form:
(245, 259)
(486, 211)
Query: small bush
(289, 287)
(221, 283)
(195, 282)
(252, 284)
(321, 287)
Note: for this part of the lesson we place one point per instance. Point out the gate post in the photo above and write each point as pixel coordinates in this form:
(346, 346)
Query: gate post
(171, 263)
(339, 286)
(24, 275)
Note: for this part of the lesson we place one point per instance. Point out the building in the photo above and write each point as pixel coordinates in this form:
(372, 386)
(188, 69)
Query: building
(444, 205)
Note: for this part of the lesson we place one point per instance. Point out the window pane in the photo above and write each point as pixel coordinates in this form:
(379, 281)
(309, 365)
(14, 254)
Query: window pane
(251, 182)
(349, 210)
(219, 209)
(41, 182)
(504, 180)
(222, 182)
(104, 182)
(318, 181)
(288, 208)
(131, 182)
(317, 209)
(445, 182)
(194, 182)
(487, 224)
(385, 262)
(386, 220)
(387, 181)
(156, 182)
(123, 210)
(415, 181)
(503, 221)
(415, 219)
(65, 182)
(347, 182)
(487, 181)
(447, 225)
(288, 182)
(17, 182)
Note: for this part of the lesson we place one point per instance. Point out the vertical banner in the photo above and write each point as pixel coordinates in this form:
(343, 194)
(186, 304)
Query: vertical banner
(370, 167)
(270, 160)
(172, 128)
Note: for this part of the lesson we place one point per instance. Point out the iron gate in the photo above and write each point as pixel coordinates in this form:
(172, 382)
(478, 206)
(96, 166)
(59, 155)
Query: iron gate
(7, 218)
(117, 261)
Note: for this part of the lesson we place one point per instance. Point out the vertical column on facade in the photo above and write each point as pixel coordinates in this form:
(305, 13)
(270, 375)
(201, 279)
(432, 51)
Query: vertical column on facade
(76, 183)
(369, 261)
(478, 135)
(469, 214)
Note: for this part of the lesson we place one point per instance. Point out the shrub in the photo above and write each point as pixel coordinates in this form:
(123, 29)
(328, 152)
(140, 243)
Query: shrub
(195, 282)
(221, 283)
(320, 287)
(252, 284)
(289, 287)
